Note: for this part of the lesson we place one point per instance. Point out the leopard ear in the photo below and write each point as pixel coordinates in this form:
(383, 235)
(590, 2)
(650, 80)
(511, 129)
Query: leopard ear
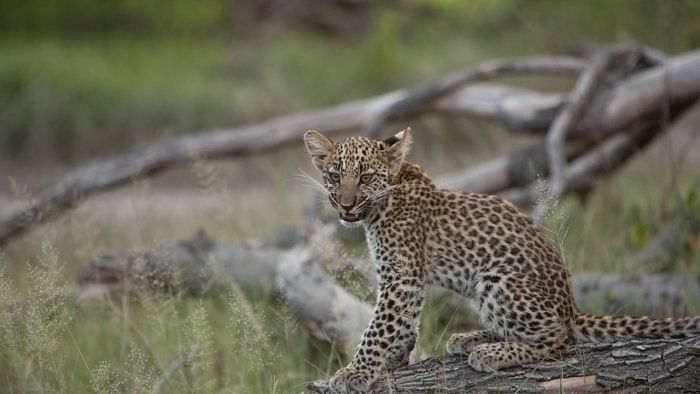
(319, 147)
(397, 148)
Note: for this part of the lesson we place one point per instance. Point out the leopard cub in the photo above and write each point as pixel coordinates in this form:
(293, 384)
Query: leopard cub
(476, 245)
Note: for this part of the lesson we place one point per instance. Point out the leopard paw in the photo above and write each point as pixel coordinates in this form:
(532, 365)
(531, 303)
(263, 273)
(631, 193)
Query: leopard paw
(462, 343)
(350, 380)
(484, 358)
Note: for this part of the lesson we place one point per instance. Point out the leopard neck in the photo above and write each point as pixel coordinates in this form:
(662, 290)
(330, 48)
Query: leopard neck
(412, 173)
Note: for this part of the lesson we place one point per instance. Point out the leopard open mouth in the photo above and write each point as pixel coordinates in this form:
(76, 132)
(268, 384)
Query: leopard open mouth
(351, 218)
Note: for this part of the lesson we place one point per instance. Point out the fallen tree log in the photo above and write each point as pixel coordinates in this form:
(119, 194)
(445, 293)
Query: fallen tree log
(604, 159)
(662, 366)
(200, 264)
(668, 86)
(661, 252)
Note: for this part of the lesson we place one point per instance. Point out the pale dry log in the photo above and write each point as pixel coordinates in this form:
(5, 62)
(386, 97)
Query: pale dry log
(510, 170)
(629, 105)
(638, 366)
(601, 161)
(198, 265)
(662, 251)
(511, 175)
(329, 311)
(643, 95)
(676, 82)
(419, 98)
(658, 295)
(99, 176)
(516, 109)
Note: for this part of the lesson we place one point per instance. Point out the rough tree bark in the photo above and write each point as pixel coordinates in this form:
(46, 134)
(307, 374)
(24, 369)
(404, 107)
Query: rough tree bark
(655, 366)
(643, 95)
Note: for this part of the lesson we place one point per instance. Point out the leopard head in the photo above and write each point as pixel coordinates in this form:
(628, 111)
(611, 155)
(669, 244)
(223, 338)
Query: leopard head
(357, 171)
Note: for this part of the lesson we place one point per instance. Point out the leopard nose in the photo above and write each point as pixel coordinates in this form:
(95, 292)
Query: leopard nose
(347, 208)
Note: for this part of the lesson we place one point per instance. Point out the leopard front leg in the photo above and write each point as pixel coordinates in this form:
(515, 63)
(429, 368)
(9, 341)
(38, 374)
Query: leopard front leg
(390, 336)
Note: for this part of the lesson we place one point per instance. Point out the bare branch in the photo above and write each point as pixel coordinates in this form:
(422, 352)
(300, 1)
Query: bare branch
(578, 102)
(100, 176)
(423, 95)
(631, 100)
(600, 161)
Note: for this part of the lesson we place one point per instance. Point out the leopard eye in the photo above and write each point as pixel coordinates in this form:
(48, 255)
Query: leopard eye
(335, 177)
(366, 178)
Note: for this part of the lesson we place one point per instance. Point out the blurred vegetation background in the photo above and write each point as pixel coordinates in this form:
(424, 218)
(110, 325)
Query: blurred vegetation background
(80, 78)
(83, 79)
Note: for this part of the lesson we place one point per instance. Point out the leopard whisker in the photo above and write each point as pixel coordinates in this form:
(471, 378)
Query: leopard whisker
(308, 180)
(376, 196)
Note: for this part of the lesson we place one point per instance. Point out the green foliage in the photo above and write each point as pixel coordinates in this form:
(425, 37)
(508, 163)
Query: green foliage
(138, 72)
(75, 17)
(81, 97)
(638, 233)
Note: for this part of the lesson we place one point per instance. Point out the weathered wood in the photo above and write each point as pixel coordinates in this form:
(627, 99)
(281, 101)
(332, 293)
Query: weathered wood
(645, 94)
(516, 109)
(245, 140)
(660, 366)
(663, 250)
(578, 102)
(199, 265)
(331, 313)
(419, 98)
(676, 83)
(511, 175)
(600, 161)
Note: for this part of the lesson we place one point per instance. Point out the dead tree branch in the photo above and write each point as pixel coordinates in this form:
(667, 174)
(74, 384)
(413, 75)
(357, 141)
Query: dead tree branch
(578, 101)
(422, 96)
(602, 160)
(97, 177)
(199, 265)
(632, 99)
